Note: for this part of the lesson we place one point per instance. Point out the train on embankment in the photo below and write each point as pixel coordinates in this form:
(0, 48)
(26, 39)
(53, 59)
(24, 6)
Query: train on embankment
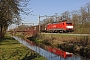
(60, 27)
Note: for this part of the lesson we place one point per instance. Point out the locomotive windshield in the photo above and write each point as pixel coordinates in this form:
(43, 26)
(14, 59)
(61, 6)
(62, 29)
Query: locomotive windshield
(68, 23)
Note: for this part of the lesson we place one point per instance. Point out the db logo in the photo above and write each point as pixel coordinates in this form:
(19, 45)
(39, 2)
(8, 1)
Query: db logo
(54, 26)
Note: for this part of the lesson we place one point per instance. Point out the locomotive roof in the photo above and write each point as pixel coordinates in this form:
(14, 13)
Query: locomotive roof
(60, 22)
(68, 22)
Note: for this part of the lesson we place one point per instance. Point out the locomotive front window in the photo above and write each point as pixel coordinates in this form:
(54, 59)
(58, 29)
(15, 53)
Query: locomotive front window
(68, 23)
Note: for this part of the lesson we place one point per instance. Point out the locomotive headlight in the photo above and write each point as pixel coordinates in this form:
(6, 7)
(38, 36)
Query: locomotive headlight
(69, 26)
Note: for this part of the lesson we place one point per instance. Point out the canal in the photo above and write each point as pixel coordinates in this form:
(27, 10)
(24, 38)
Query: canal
(48, 55)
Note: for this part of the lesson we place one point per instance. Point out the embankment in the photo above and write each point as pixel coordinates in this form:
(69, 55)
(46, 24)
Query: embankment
(71, 43)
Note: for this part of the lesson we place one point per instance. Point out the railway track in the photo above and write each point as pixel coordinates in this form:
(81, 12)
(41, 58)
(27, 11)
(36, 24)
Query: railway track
(68, 34)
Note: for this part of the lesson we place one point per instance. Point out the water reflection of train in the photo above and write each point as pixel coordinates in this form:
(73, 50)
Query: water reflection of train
(63, 26)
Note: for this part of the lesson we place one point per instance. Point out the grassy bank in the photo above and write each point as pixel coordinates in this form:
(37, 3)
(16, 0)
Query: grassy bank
(72, 43)
(10, 49)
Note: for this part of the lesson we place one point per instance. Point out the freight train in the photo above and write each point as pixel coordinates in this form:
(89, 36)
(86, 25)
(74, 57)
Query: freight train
(60, 27)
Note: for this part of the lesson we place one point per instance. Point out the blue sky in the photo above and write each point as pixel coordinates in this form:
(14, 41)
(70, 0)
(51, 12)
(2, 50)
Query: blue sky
(50, 7)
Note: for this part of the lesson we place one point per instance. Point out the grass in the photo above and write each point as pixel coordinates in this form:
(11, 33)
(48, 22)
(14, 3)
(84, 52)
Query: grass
(10, 49)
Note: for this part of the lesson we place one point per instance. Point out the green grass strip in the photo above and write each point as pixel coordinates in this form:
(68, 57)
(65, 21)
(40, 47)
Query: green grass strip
(10, 49)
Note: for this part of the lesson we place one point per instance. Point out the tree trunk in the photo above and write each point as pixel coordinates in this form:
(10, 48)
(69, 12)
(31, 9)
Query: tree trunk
(2, 31)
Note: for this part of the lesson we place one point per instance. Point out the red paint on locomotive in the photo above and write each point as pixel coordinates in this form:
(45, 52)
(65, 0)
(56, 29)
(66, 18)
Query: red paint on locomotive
(60, 27)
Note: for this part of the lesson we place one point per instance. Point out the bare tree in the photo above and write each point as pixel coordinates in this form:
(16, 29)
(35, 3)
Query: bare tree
(76, 20)
(66, 15)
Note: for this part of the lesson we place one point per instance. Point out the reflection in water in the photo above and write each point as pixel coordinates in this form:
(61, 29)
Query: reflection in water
(48, 55)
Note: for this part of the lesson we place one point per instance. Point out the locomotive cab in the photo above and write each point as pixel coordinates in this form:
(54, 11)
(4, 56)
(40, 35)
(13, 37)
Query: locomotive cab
(60, 27)
(69, 26)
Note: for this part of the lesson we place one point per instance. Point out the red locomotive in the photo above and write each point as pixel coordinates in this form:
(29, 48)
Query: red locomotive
(60, 27)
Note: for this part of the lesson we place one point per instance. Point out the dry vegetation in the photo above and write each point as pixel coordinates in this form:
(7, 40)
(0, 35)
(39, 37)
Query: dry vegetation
(71, 43)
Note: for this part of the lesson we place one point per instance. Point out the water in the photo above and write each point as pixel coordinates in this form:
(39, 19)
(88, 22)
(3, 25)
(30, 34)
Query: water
(48, 55)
